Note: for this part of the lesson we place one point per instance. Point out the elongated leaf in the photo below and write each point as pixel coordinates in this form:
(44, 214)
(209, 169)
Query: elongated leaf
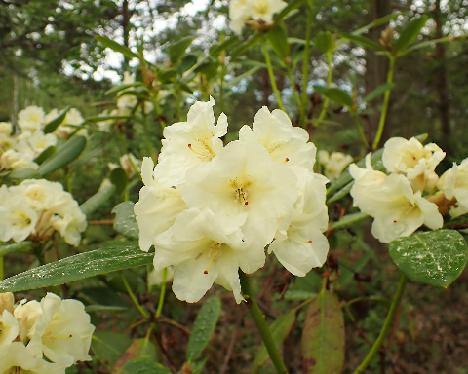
(55, 123)
(434, 42)
(98, 199)
(66, 153)
(348, 220)
(434, 257)
(409, 34)
(375, 23)
(177, 49)
(324, 41)
(109, 43)
(323, 339)
(278, 39)
(362, 41)
(145, 366)
(125, 221)
(45, 154)
(203, 328)
(113, 256)
(280, 330)
(336, 95)
(378, 91)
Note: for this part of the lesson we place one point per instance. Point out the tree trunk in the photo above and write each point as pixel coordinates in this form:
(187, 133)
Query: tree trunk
(125, 30)
(376, 66)
(441, 80)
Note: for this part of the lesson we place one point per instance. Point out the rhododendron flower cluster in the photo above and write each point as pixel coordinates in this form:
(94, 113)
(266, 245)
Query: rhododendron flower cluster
(20, 149)
(210, 209)
(242, 11)
(454, 185)
(333, 163)
(36, 209)
(43, 337)
(404, 198)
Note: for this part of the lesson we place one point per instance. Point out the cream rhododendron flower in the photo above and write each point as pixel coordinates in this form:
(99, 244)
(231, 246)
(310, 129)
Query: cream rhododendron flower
(454, 184)
(191, 143)
(36, 208)
(31, 118)
(284, 142)
(333, 163)
(58, 329)
(390, 200)
(300, 244)
(35, 143)
(15, 358)
(17, 219)
(203, 251)
(245, 188)
(9, 329)
(210, 210)
(7, 300)
(6, 128)
(12, 159)
(157, 206)
(240, 11)
(413, 159)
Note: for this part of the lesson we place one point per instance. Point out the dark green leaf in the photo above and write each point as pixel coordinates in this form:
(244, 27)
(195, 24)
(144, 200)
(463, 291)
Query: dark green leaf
(336, 95)
(433, 42)
(409, 34)
(348, 220)
(186, 63)
(278, 39)
(125, 221)
(112, 256)
(434, 257)
(119, 179)
(203, 328)
(177, 49)
(55, 123)
(45, 154)
(119, 48)
(66, 153)
(145, 366)
(378, 91)
(323, 338)
(108, 346)
(98, 199)
(363, 42)
(280, 330)
(324, 42)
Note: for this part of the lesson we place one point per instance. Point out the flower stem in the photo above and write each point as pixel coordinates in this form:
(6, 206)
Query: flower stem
(326, 101)
(271, 75)
(134, 299)
(385, 327)
(162, 294)
(262, 325)
(386, 100)
(2, 270)
(305, 65)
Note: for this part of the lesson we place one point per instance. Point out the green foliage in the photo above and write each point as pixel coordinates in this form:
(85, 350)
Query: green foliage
(125, 221)
(436, 257)
(409, 34)
(280, 330)
(323, 340)
(110, 257)
(144, 366)
(203, 328)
